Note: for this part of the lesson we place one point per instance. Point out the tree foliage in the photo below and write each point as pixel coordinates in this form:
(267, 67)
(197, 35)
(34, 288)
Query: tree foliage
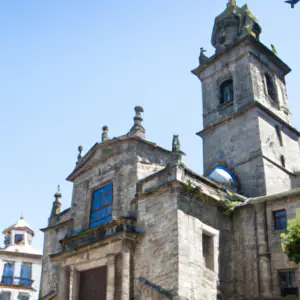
(290, 241)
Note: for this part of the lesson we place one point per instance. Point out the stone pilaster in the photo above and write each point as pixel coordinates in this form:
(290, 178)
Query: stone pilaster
(110, 292)
(63, 284)
(125, 276)
(74, 284)
(264, 268)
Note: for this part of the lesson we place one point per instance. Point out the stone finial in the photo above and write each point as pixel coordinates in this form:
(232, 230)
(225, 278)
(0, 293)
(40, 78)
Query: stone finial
(202, 58)
(138, 119)
(56, 207)
(176, 149)
(138, 129)
(231, 3)
(104, 134)
(79, 157)
(273, 49)
(175, 143)
(57, 195)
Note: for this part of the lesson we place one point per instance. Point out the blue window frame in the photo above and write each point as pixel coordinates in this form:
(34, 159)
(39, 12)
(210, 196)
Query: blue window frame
(25, 279)
(8, 273)
(280, 219)
(101, 210)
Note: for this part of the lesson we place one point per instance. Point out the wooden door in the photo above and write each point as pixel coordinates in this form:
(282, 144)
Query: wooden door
(93, 284)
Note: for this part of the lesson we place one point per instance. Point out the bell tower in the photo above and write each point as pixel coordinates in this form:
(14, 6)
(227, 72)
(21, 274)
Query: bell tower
(249, 143)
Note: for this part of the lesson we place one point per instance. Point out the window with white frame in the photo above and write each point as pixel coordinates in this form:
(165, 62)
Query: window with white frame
(19, 238)
(5, 296)
(22, 296)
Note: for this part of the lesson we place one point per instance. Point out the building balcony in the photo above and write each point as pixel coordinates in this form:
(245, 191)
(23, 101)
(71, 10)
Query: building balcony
(17, 281)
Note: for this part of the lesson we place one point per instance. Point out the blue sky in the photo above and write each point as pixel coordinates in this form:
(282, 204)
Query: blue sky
(69, 67)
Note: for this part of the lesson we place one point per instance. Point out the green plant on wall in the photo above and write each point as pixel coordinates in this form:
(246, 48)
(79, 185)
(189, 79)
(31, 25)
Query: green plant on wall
(195, 192)
(290, 241)
(230, 205)
(231, 201)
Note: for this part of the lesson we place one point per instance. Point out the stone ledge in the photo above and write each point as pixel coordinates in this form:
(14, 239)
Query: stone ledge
(94, 235)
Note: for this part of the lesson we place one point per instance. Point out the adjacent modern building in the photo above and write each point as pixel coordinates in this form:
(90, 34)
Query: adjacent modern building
(142, 225)
(20, 264)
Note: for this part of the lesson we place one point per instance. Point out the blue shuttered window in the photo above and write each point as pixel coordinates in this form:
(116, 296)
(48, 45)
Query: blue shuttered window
(101, 210)
(280, 219)
(25, 274)
(8, 273)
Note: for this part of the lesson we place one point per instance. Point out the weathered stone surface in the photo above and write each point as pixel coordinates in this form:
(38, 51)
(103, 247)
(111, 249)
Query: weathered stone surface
(184, 242)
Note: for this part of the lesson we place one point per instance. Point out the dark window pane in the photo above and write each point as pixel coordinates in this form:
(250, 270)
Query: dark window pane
(270, 87)
(288, 283)
(19, 238)
(280, 219)
(226, 91)
(205, 244)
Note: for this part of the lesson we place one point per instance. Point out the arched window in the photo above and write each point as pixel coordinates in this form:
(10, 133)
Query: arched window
(226, 91)
(270, 87)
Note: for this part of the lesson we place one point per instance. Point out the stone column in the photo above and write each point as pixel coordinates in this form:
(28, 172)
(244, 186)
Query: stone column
(263, 254)
(74, 284)
(63, 284)
(125, 276)
(110, 291)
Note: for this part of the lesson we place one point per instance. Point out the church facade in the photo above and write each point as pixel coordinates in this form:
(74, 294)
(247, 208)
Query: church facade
(142, 225)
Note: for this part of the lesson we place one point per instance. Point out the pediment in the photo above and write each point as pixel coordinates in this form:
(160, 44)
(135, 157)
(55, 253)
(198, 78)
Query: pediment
(102, 152)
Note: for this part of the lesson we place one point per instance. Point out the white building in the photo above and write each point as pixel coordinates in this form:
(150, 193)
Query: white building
(20, 264)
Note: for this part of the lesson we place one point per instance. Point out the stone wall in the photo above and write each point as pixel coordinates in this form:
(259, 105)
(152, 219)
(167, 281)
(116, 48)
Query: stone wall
(195, 214)
(50, 271)
(258, 68)
(244, 254)
(277, 179)
(279, 260)
(111, 164)
(237, 144)
(248, 132)
(156, 255)
(121, 164)
(232, 64)
(271, 146)
(196, 280)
